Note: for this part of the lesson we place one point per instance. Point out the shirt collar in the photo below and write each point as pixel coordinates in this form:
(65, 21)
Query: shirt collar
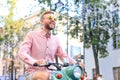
(45, 34)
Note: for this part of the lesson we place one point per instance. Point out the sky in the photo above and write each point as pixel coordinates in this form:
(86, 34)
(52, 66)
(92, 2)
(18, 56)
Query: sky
(23, 7)
(26, 7)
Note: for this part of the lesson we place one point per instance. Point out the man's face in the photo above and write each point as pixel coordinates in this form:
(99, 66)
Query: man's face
(48, 21)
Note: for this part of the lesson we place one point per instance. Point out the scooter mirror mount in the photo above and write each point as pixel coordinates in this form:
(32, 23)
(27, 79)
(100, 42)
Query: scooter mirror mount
(77, 57)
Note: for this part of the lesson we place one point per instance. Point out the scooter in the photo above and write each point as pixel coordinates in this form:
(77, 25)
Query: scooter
(64, 71)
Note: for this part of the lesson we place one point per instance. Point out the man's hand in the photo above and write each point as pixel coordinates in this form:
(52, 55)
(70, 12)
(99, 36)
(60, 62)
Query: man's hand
(40, 62)
(82, 65)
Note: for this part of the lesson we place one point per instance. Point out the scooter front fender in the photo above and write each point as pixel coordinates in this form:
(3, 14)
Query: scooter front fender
(55, 73)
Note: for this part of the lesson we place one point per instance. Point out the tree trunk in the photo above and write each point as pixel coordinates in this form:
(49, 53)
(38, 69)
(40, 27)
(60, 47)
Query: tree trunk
(96, 59)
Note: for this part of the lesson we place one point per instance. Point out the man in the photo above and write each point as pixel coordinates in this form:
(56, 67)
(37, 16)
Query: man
(41, 46)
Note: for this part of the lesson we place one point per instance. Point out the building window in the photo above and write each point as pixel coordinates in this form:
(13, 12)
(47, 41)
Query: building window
(116, 41)
(116, 73)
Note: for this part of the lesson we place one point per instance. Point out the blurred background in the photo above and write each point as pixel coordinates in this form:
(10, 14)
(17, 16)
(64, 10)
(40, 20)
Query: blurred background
(89, 28)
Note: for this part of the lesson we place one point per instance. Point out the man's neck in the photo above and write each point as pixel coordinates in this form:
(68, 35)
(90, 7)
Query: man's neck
(46, 30)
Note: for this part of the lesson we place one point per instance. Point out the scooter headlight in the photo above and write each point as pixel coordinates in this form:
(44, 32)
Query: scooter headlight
(77, 72)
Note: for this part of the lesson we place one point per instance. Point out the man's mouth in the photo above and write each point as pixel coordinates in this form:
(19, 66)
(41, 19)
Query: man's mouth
(52, 23)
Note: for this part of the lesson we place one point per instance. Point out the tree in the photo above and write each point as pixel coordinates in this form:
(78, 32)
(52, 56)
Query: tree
(12, 27)
(11, 31)
(98, 21)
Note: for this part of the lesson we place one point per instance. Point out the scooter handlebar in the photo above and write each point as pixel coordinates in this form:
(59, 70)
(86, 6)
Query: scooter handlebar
(48, 64)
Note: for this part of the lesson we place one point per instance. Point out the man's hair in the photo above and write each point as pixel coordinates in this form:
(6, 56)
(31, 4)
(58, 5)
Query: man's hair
(47, 12)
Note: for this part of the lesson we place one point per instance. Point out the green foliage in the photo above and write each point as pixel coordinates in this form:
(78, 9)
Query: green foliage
(96, 32)
(119, 44)
(12, 28)
(1, 38)
(92, 1)
(48, 2)
(75, 28)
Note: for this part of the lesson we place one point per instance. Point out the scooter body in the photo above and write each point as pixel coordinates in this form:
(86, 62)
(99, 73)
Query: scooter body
(64, 72)
(67, 73)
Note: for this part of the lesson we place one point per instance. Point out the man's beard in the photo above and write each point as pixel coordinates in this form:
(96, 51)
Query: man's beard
(48, 26)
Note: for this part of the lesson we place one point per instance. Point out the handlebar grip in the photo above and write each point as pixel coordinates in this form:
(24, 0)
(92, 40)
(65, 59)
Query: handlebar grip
(35, 64)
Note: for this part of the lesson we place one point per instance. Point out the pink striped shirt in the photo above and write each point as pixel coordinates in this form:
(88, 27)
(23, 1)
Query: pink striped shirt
(36, 47)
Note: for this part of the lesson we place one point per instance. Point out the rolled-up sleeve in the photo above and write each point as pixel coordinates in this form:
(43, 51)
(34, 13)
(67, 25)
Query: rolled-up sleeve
(24, 50)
